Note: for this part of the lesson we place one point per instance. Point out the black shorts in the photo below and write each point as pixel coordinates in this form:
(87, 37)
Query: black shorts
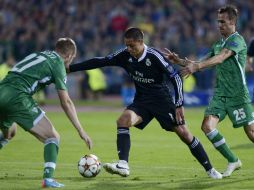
(162, 109)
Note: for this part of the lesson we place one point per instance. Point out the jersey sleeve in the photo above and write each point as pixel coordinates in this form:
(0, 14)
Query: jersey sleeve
(60, 77)
(210, 53)
(174, 77)
(178, 87)
(235, 44)
(97, 62)
(250, 51)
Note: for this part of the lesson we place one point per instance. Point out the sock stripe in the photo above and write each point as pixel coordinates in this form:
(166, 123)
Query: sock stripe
(212, 134)
(123, 131)
(51, 140)
(219, 143)
(194, 142)
(50, 165)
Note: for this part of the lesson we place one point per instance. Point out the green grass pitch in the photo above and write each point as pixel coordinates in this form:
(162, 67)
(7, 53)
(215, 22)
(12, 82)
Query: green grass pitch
(158, 159)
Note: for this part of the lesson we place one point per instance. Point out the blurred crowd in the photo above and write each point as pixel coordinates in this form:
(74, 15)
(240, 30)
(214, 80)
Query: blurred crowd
(187, 27)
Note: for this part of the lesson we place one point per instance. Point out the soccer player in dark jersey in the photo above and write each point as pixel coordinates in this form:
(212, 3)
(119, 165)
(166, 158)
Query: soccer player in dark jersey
(231, 95)
(152, 74)
(27, 77)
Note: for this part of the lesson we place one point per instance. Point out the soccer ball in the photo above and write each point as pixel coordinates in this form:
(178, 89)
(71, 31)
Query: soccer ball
(89, 166)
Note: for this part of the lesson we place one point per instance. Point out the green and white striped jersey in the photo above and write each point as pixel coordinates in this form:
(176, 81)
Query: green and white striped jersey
(36, 71)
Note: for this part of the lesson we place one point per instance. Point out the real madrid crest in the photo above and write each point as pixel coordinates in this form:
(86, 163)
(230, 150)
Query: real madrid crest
(148, 62)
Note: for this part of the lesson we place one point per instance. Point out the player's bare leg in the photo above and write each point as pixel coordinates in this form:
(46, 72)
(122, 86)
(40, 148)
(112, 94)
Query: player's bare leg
(209, 128)
(47, 134)
(249, 130)
(197, 150)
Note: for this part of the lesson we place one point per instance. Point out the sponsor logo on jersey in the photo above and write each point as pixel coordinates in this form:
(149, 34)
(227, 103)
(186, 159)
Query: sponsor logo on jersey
(148, 62)
(232, 44)
(141, 79)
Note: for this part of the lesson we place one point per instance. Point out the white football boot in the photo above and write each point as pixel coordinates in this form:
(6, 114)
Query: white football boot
(121, 168)
(214, 174)
(232, 166)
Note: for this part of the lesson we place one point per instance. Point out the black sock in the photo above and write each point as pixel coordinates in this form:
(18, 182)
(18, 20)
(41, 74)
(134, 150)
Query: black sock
(123, 143)
(199, 153)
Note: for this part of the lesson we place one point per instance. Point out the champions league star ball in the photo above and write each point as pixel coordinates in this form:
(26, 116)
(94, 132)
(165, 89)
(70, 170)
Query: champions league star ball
(89, 166)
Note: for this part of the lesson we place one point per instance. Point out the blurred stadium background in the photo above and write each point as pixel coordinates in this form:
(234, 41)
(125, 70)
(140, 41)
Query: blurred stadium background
(187, 27)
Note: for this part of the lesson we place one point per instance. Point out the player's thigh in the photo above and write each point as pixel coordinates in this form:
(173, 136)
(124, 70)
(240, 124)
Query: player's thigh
(140, 116)
(44, 130)
(7, 127)
(164, 111)
(128, 118)
(10, 132)
(216, 108)
(241, 115)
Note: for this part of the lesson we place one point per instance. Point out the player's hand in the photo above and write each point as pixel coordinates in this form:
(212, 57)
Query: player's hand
(192, 67)
(180, 115)
(86, 138)
(248, 68)
(171, 56)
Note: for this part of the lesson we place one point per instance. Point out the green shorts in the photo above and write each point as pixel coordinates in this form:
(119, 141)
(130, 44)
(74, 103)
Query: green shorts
(18, 107)
(239, 114)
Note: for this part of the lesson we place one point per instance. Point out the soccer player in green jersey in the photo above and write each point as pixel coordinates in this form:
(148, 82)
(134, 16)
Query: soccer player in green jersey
(231, 96)
(28, 76)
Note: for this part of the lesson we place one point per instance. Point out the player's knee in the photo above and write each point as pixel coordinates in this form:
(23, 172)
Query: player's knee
(249, 130)
(205, 127)
(209, 124)
(123, 121)
(57, 136)
(12, 131)
(53, 135)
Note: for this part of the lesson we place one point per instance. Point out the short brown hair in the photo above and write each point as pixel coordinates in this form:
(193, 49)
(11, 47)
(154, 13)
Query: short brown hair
(231, 10)
(66, 46)
(134, 33)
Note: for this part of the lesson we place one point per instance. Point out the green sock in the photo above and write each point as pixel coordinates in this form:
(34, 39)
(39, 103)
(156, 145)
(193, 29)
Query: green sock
(219, 143)
(50, 155)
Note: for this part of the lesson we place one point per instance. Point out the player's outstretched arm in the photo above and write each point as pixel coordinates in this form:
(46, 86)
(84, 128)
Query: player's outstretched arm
(175, 59)
(215, 60)
(70, 111)
(89, 64)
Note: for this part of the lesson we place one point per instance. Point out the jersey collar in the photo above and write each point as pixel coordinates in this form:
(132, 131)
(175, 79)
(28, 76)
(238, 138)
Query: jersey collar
(58, 55)
(229, 36)
(144, 53)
